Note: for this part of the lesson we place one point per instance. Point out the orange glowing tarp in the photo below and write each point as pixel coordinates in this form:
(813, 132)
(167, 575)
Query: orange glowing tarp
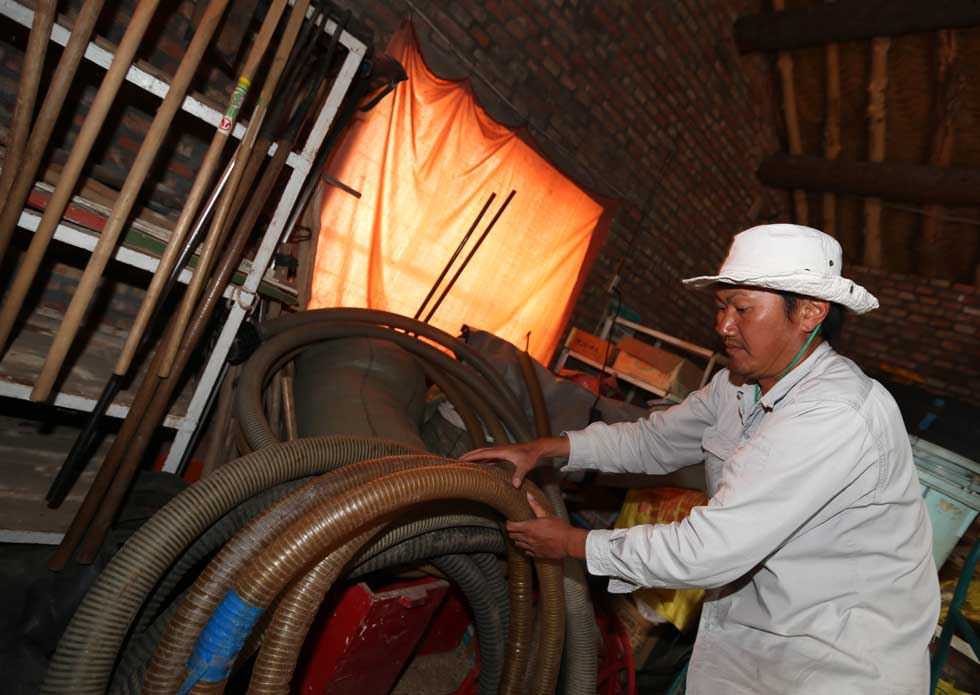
(425, 160)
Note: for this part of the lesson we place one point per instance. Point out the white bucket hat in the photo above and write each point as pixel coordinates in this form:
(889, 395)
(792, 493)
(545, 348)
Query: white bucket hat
(789, 258)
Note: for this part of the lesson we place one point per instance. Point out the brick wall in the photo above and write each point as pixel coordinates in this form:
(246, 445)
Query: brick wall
(644, 102)
(926, 331)
(612, 92)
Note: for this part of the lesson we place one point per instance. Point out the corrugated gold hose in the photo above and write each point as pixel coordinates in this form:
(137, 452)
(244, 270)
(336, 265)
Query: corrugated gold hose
(166, 670)
(330, 521)
(85, 655)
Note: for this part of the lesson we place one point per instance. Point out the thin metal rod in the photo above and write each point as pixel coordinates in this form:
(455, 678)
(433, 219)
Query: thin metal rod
(452, 259)
(469, 256)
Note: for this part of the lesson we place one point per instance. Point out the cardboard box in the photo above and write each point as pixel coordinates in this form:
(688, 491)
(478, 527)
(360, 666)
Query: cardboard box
(663, 370)
(590, 346)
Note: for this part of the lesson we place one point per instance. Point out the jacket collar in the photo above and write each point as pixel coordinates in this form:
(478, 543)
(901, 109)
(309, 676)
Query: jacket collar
(798, 373)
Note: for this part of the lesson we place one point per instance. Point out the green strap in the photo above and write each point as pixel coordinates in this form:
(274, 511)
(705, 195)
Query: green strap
(813, 334)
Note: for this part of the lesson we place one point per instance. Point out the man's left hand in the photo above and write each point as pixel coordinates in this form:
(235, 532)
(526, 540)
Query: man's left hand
(547, 536)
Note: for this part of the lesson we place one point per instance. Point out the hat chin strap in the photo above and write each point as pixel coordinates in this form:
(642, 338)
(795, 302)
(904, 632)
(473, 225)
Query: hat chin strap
(799, 355)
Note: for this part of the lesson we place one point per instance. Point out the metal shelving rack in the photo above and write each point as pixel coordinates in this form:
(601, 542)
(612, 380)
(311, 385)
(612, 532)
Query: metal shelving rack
(242, 297)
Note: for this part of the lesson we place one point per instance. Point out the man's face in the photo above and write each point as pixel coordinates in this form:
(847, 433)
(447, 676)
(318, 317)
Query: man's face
(759, 338)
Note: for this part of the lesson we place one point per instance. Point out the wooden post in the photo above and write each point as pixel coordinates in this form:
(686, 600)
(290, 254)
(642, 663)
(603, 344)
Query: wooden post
(876, 118)
(831, 133)
(784, 62)
(948, 88)
(100, 257)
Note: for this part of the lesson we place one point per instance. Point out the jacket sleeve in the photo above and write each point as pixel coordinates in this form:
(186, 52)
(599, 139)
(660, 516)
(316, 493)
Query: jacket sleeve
(799, 464)
(660, 443)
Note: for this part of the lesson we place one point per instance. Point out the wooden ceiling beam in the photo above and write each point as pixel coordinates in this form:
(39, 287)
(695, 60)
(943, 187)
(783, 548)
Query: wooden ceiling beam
(915, 183)
(851, 20)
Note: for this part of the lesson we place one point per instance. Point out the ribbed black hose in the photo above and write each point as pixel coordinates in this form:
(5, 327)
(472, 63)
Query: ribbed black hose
(385, 318)
(428, 545)
(279, 349)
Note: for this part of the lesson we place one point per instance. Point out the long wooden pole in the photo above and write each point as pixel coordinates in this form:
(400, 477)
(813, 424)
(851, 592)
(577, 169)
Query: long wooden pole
(892, 181)
(876, 117)
(202, 181)
(193, 291)
(87, 285)
(30, 79)
(73, 167)
(54, 98)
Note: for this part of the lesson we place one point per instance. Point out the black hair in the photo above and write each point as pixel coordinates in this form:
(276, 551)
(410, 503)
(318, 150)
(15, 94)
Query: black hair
(832, 324)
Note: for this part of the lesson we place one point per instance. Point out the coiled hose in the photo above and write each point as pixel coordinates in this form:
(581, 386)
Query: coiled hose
(84, 658)
(331, 520)
(167, 666)
(582, 640)
(288, 334)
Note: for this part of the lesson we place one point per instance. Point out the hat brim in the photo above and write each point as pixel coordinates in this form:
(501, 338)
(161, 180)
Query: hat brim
(839, 290)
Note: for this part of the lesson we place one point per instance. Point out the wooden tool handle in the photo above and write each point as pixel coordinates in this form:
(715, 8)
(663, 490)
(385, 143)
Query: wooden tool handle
(155, 136)
(54, 98)
(221, 218)
(72, 169)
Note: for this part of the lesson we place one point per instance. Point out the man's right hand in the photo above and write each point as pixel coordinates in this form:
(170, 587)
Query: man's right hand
(524, 457)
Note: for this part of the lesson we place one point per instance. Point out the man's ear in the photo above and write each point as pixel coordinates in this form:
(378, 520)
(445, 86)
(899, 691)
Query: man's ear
(812, 313)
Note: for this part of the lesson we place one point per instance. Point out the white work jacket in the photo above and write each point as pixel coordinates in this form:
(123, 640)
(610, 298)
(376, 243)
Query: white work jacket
(815, 544)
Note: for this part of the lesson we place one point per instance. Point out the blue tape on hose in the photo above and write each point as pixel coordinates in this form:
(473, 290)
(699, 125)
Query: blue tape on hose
(221, 640)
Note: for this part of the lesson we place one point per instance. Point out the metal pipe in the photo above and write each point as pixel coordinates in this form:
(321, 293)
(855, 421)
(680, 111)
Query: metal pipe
(469, 256)
(452, 259)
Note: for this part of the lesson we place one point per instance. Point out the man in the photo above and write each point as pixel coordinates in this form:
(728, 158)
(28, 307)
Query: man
(815, 545)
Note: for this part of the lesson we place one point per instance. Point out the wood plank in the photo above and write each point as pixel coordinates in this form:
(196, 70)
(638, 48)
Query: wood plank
(948, 91)
(784, 63)
(916, 183)
(876, 152)
(831, 133)
(851, 20)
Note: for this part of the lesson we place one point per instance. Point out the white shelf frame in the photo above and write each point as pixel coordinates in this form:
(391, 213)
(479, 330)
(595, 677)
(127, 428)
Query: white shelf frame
(243, 298)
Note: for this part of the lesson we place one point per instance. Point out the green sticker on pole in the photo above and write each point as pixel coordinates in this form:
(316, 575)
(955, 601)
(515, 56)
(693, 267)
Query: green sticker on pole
(235, 105)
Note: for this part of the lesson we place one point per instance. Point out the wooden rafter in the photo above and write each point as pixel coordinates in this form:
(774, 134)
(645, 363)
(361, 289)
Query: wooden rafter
(851, 20)
(948, 88)
(876, 119)
(831, 133)
(914, 183)
(784, 63)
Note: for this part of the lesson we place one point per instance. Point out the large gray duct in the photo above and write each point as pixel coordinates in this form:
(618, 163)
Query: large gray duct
(376, 389)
